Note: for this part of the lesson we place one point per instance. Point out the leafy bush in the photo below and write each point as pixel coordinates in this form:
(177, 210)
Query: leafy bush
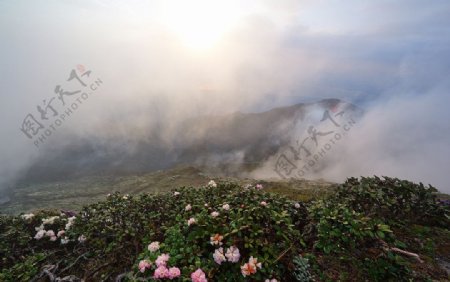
(221, 232)
(393, 199)
(257, 224)
(341, 229)
(301, 271)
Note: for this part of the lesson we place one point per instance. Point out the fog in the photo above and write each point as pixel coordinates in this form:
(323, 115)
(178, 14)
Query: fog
(163, 62)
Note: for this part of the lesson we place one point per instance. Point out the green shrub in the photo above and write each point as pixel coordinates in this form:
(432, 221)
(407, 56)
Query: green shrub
(301, 270)
(393, 199)
(341, 229)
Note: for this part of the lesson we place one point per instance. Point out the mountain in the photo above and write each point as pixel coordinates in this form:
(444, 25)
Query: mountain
(233, 141)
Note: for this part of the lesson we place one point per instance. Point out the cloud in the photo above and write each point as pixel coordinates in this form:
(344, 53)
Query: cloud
(390, 57)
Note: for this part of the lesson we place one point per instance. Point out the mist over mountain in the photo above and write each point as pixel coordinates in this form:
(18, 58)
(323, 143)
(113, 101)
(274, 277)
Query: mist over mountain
(234, 141)
(172, 73)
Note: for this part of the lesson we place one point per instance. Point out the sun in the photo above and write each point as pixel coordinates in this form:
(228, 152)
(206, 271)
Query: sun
(200, 24)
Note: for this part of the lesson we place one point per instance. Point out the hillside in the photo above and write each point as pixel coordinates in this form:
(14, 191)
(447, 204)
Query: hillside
(74, 193)
(368, 229)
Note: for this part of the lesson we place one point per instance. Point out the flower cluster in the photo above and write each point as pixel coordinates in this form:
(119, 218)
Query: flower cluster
(27, 216)
(144, 264)
(212, 183)
(70, 222)
(198, 276)
(49, 233)
(250, 267)
(232, 254)
(191, 221)
(153, 247)
(216, 240)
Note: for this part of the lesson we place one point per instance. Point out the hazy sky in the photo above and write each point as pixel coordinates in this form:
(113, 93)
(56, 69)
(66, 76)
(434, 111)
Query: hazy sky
(173, 59)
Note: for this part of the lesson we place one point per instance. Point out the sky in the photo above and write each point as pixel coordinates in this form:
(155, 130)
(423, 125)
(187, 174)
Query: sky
(170, 60)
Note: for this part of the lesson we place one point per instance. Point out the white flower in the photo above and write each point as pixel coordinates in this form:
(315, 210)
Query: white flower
(40, 234)
(70, 221)
(64, 240)
(27, 216)
(125, 197)
(61, 233)
(263, 204)
(49, 220)
(297, 205)
(40, 227)
(188, 207)
(214, 214)
(82, 238)
(233, 254)
(255, 262)
(206, 205)
(153, 247)
(191, 221)
(50, 233)
(216, 240)
(219, 256)
(176, 193)
(226, 207)
(212, 183)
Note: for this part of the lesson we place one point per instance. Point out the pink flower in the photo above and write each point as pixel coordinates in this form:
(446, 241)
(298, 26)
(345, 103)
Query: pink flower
(271, 280)
(297, 205)
(191, 221)
(50, 233)
(53, 238)
(162, 260)
(188, 207)
(198, 276)
(216, 240)
(250, 267)
(255, 262)
(61, 233)
(259, 186)
(161, 272)
(233, 254)
(153, 247)
(226, 207)
(218, 256)
(143, 265)
(174, 272)
(263, 204)
(214, 214)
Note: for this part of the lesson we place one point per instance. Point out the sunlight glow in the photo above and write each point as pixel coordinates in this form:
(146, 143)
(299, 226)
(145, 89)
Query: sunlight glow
(200, 24)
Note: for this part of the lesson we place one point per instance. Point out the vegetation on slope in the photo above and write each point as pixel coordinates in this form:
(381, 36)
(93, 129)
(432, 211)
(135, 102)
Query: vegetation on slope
(369, 229)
